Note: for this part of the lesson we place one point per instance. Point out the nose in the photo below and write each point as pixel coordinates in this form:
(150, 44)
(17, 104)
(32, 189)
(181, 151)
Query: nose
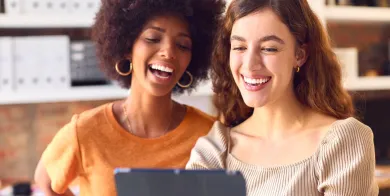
(253, 60)
(167, 50)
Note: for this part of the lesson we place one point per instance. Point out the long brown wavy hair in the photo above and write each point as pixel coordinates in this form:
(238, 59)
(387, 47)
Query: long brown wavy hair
(317, 85)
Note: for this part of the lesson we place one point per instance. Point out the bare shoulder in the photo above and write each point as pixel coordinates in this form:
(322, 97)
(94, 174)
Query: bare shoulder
(318, 120)
(320, 124)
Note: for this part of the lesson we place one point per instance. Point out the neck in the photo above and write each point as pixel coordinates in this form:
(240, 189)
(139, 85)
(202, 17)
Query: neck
(149, 116)
(276, 120)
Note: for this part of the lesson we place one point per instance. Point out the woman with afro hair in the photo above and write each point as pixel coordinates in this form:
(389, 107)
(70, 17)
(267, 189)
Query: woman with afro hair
(158, 47)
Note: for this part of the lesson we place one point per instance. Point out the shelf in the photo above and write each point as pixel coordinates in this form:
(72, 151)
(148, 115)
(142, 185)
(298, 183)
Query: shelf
(46, 21)
(88, 93)
(369, 84)
(332, 13)
(357, 14)
(72, 94)
(110, 92)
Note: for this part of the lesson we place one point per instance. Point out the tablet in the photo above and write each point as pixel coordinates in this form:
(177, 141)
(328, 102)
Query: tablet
(176, 182)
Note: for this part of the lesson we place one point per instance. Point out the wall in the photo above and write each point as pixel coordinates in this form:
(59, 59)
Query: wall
(25, 130)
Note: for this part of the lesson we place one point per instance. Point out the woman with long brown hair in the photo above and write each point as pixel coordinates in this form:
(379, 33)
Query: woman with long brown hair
(287, 123)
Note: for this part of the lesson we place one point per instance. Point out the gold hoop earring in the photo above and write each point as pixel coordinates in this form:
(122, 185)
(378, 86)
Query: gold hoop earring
(123, 73)
(298, 69)
(189, 84)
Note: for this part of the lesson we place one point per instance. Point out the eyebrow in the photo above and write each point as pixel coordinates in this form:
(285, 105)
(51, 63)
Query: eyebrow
(181, 34)
(237, 38)
(263, 39)
(156, 28)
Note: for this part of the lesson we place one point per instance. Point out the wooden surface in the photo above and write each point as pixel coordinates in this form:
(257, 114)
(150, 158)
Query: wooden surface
(384, 178)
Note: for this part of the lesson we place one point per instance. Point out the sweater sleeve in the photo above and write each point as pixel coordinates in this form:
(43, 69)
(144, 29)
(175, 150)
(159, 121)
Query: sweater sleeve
(346, 161)
(62, 158)
(210, 150)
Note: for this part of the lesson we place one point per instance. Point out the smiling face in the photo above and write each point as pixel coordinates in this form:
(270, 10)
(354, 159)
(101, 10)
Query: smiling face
(161, 54)
(263, 58)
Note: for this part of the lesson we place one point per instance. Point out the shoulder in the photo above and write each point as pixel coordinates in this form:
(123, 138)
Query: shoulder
(349, 130)
(87, 121)
(91, 115)
(210, 150)
(346, 161)
(216, 140)
(345, 139)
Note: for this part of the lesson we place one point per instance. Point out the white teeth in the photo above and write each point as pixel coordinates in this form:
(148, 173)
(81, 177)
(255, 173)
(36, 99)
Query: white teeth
(161, 68)
(256, 81)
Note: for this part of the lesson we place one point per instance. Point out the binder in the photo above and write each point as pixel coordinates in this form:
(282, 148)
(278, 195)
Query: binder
(6, 65)
(54, 7)
(55, 62)
(84, 65)
(58, 6)
(33, 6)
(27, 54)
(41, 63)
(84, 7)
(13, 7)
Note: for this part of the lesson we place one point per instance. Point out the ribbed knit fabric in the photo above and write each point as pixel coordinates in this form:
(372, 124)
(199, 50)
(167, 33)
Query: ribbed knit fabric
(343, 164)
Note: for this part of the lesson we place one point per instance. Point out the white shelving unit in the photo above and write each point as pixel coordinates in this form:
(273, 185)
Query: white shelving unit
(72, 94)
(370, 83)
(46, 21)
(356, 14)
(86, 93)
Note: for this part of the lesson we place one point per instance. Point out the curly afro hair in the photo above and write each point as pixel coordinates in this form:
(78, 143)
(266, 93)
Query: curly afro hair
(119, 23)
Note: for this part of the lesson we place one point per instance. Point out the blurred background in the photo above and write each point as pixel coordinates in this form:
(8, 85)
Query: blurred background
(48, 72)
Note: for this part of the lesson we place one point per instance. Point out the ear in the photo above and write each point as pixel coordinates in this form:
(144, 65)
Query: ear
(301, 54)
